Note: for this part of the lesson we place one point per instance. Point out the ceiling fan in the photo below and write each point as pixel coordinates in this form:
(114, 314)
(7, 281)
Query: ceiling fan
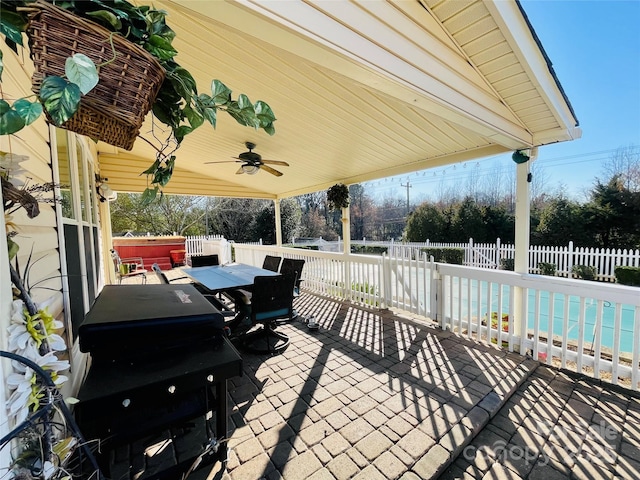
(252, 162)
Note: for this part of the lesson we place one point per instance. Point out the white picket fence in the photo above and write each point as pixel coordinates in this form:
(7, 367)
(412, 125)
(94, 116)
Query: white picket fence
(489, 255)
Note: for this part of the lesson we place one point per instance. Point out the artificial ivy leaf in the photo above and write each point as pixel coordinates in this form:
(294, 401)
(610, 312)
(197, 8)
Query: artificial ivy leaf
(149, 195)
(81, 70)
(244, 116)
(163, 174)
(235, 112)
(61, 98)
(211, 115)
(220, 92)
(1, 65)
(157, 25)
(152, 168)
(29, 111)
(269, 129)
(10, 120)
(160, 47)
(244, 103)
(206, 107)
(264, 113)
(183, 83)
(180, 132)
(195, 118)
(247, 111)
(106, 17)
(12, 25)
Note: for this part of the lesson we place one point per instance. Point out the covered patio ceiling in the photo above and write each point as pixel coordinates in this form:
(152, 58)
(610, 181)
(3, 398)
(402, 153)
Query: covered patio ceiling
(361, 91)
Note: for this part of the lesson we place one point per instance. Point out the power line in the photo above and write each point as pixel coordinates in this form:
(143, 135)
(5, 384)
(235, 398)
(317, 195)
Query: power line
(438, 174)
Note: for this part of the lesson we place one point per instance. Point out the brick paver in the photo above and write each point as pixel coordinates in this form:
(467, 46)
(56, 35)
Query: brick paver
(372, 395)
(557, 425)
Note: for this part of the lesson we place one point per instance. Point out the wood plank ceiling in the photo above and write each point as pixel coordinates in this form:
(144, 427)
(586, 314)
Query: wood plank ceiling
(361, 90)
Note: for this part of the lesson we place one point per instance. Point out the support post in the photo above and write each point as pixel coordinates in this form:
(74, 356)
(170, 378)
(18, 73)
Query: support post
(276, 204)
(346, 250)
(521, 259)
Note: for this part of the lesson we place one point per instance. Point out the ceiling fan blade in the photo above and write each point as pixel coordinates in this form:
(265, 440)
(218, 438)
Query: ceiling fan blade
(272, 171)
(224, 161)
(276, 162)
(240, 171)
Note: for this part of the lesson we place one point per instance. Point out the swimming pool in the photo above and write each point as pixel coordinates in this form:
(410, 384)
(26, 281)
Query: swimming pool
(559, 301)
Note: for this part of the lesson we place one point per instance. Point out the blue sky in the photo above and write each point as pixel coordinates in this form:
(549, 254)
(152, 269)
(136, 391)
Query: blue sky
(594, 47)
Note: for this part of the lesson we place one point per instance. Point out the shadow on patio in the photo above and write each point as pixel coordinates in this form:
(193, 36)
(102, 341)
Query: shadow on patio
(371, 394)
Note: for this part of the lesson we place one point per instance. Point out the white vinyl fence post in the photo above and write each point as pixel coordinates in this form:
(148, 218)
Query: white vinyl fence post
(570, 259)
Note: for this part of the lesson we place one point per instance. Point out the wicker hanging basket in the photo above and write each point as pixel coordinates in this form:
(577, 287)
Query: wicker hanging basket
(115, 109)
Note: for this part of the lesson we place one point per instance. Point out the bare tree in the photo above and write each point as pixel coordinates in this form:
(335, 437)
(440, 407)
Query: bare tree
(181, 212)
(625, 163)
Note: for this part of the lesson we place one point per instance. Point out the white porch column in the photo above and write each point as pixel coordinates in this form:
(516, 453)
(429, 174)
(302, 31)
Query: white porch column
(276, 204)
(346, 250)
(346, 231)
(522, 237)
(107, 242)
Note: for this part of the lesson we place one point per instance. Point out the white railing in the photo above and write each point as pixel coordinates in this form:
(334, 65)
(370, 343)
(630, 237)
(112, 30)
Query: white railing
(208, 244)
(353, 277)
(589, 327)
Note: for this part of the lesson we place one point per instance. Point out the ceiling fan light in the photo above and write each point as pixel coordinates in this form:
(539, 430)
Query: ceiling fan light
(250, 169)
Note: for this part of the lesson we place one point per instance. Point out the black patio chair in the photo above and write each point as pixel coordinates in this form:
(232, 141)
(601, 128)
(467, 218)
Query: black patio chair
(293, 267)
(243, 295)
(271, 263)
(204, 260)
(271, 300)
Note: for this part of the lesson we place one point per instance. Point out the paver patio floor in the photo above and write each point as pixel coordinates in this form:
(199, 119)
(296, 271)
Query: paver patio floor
(557, 426)
(369, 395)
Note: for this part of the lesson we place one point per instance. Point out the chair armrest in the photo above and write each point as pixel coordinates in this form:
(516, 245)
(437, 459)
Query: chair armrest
(136, 260)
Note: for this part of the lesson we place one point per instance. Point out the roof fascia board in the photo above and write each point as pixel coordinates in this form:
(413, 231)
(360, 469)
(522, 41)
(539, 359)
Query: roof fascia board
(303, 30)
(511, 21)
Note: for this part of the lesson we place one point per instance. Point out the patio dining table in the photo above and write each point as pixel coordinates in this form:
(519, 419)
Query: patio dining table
(221, 278)
(225, 279)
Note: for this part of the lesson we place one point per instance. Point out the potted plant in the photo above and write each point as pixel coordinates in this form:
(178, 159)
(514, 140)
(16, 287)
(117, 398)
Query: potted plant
(521, 156)
(176, 102)
(338, 197)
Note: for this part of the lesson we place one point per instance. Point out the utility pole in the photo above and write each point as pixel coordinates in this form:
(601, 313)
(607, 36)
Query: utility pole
(408, 186)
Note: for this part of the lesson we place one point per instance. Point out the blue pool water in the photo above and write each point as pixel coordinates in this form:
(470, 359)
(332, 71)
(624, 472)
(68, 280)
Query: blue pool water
(608, 319)
(591, 306)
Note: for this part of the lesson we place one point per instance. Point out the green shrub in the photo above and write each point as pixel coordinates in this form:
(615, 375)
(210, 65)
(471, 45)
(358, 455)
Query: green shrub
(628, 276)
(445, 255)
(547, 268)
(369, 249)
(585, 272)
(507, 264)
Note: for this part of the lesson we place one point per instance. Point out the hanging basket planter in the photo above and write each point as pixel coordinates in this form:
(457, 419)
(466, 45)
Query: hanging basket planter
(520, 156)
(338, 197)
(114, 110)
